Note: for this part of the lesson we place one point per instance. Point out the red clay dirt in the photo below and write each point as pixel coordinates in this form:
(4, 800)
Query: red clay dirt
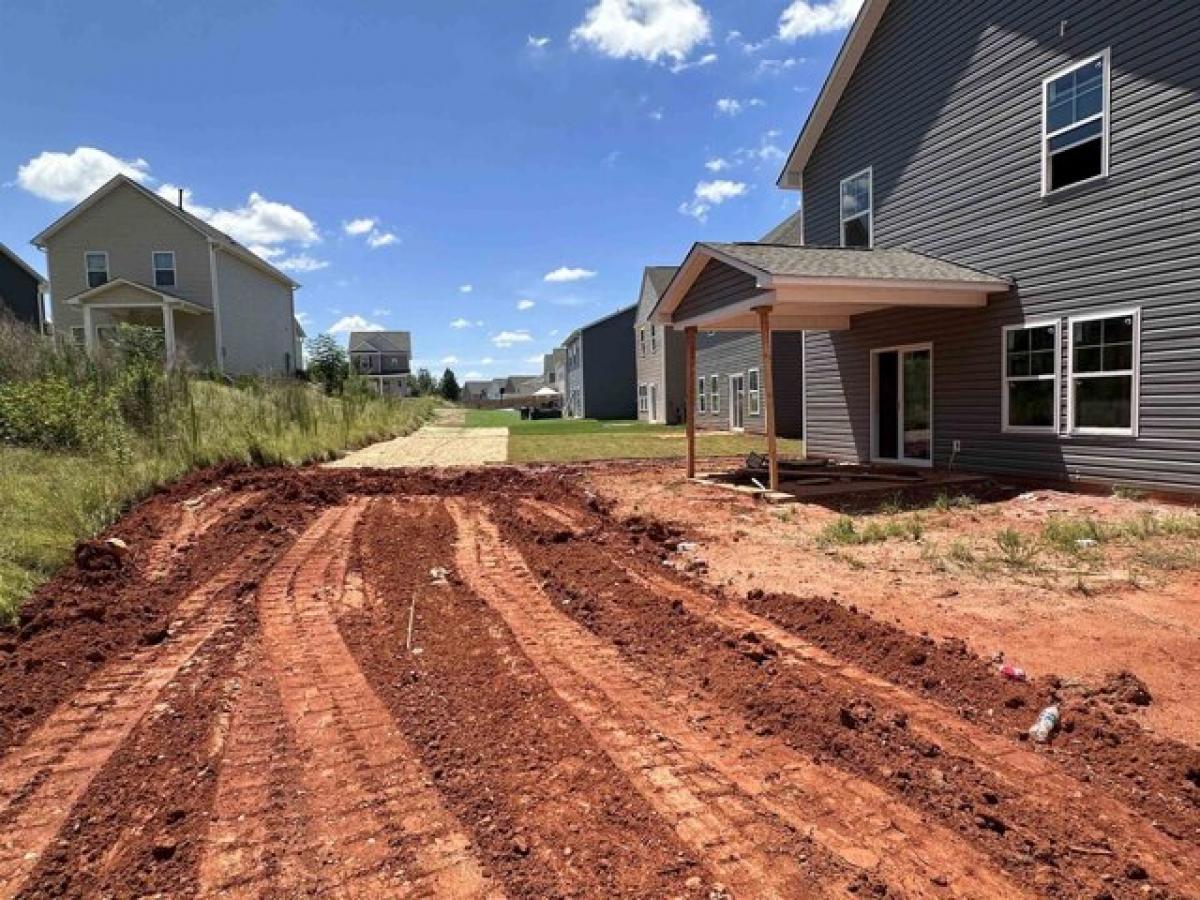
(485, 684)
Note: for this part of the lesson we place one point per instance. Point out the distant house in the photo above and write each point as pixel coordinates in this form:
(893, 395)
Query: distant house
(384, 358)
(554, 369)
(601, 377)
(22, 290)
(474, 391)
(661, 385)
(125, 254)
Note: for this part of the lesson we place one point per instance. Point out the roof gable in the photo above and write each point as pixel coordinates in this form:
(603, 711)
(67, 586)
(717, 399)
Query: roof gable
(22, 265)
(654, 281)
(220, 238)
(847, 60)
(381, 342)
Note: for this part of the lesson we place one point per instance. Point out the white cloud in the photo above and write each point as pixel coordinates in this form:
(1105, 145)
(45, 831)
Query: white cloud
(381, 312)
(709, 194)
(656, 115)
(260, 221)
(777, 66)
(466, 288)
(729, 106)
(486, 361)
(303, 318)
(706, 60)
(460, 323)
(449, 360)
(473, 376)
(507, 339)
(535, 360)
(652, 30)
(523, 305)
(302, 262)
(70, 177)
(720, 164)
(537, 42)
(377, 239)
(346, 324)
(553, 332)
(804, 19)
(267, 253)
(565, 273)
(356, 227)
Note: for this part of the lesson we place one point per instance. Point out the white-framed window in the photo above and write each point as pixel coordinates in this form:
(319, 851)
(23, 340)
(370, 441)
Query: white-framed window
(95, 263)
(701, 394)
(857, 215)
(1032, 398)
(653, 338)
(1075, 113)
(753, 393)
(642, 340)
(714, 387)
(78, 335)
(164, 268)
(643, 399)
(1105, 362)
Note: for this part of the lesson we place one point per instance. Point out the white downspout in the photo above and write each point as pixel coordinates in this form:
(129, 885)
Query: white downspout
(89, 339)
(218, 334)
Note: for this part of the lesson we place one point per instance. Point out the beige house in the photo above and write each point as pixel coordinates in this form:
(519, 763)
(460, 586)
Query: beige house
(126, 254)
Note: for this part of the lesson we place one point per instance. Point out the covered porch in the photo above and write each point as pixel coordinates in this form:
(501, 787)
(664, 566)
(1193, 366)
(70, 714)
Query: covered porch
(769, 287)
(187, 327)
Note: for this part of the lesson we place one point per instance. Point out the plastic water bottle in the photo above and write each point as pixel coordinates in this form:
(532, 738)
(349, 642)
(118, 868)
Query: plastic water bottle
(1045, 725)
(1013, 673)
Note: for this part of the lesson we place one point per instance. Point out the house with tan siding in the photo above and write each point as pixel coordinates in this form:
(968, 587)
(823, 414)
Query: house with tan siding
(127, 255)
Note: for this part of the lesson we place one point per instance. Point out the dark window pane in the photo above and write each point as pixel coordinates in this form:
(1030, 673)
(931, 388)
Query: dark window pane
(1089, 75)
(1089, 333)
(1118, 357)
(1059, 115)
(1077, 164)
(1118, 330)
(887, 389)
(1042, 362)
(1088, 359)
(1104, 402)
(1018, 365)
(1018, 340)
(1041, 338)
(1089, 102)
(918, 423)
(164, 278)
(95, 279)
(1031, 404)
(855, 233)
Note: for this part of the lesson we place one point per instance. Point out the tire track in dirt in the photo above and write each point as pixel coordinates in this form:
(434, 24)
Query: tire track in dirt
(42, 778)
(365, 822)
(197, 516)
(1036, 780)
(655, 743)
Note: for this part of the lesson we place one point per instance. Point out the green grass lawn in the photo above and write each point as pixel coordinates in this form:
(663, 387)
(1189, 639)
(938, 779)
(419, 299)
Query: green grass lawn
(580, 440)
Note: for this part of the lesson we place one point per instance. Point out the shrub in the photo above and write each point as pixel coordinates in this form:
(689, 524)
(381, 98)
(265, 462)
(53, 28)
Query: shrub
(52, 413)
(1017, 550)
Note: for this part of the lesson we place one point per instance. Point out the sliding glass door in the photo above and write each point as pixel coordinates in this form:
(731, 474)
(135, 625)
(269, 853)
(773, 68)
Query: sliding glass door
(902, 405)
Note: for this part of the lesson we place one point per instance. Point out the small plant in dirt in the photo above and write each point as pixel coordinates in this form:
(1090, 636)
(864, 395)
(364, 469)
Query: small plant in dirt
(945, 502)
(1073, 535)
(1017, 550)
(840, 531)
(844, 531)
(1126, 492)
(961, 552)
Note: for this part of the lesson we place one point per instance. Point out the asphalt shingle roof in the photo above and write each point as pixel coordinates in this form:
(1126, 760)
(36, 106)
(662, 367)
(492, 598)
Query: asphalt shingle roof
(789, 232)
(381, 341)
(849, 262)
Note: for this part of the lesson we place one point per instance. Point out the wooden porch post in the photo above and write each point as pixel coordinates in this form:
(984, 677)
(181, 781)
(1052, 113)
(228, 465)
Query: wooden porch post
(690, 336)
(89, 330)
(169, 333)
(768, 392)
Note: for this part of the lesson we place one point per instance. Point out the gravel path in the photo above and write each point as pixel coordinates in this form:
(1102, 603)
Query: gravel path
(441, 444)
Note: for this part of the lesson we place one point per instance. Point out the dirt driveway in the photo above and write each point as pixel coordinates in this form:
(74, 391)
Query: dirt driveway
(443, 443)
(483, 684)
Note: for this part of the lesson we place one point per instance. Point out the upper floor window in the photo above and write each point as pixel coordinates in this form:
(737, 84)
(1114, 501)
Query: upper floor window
(642, 339)
(96, 263)
(1031, 397)
(653, 338)
(857, 217)
(1105, 352)
(164, 268)
(1075, 124)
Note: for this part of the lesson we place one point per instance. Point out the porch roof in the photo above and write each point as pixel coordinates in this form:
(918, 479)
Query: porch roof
(121, 293)
(813, 288)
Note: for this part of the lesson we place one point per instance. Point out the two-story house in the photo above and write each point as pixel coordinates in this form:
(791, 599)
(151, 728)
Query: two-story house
(999, 271)
(601, 376)
(384, 358)
(661, 391)
(125, 254)
(22, 290)
(554, 368)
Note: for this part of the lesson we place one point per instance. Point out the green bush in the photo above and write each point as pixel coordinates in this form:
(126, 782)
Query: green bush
(53, 413)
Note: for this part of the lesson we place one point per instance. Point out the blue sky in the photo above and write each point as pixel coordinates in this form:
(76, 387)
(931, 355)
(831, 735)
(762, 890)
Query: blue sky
(393, 155)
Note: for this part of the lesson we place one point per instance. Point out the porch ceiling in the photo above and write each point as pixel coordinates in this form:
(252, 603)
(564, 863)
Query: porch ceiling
(815, 288)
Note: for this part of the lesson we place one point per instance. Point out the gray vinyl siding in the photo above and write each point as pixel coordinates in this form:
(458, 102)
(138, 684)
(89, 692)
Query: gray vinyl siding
(663, 362)
(20, 292)
(717, 286)
(946, 109)
(256, 319)
(609, 368)
(736, 353)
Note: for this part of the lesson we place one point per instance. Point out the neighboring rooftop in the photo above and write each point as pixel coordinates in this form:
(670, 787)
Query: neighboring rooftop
(381, 342)
(24, 266)
(789, 232)
(853, 263)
